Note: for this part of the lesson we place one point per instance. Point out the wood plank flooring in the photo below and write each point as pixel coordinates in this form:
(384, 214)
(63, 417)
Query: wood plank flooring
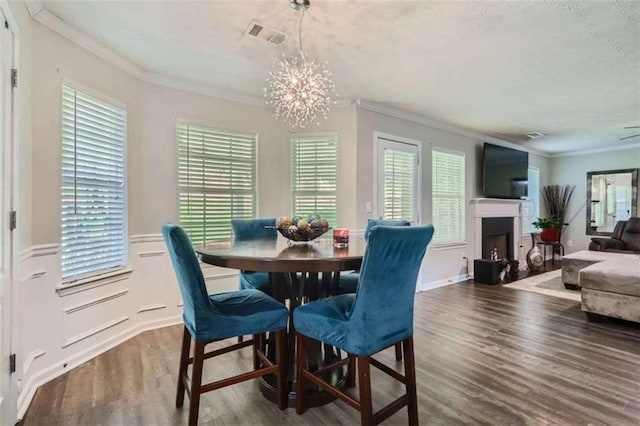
(484, 355)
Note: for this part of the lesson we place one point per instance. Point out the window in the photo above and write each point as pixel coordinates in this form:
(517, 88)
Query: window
(448, 197)
(314, 175)
(531, 205)
(94, 208)
(398, 183)
(216, 181)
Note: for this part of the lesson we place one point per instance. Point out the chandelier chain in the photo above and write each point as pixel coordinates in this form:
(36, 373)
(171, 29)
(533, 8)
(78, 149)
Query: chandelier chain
(300, 31)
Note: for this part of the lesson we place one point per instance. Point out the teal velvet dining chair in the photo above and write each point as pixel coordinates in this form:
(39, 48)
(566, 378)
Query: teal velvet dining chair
(377, 316)
(250, 229)
(217, 317)
(348, 282)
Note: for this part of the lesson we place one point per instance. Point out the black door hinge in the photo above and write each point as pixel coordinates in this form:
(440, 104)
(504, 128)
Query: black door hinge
(12, 363)
(12, 220)
(14, 77)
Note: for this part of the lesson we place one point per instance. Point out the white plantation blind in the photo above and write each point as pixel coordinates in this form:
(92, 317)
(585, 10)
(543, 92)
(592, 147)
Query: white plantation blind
(531, 205)
(216, 181)
(448, 197)
(400, 184)
(314, 175)
(94, 212)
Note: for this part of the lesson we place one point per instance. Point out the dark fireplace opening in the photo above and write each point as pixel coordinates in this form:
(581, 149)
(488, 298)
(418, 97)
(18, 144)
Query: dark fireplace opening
(497, 232)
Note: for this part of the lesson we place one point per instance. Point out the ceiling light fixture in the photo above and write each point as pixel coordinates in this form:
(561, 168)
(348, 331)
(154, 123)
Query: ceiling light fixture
(300, 88)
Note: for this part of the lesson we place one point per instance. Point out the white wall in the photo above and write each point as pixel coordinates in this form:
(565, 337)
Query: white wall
(572, 170)
(441, 265)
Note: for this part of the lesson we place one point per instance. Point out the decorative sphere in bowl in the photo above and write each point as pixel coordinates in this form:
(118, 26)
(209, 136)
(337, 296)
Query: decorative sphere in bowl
(300, 228)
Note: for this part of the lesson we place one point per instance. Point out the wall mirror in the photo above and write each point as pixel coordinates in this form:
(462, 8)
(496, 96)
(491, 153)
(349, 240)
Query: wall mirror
(612, 195)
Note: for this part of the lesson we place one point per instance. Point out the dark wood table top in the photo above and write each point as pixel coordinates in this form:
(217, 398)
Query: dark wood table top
(278, 256)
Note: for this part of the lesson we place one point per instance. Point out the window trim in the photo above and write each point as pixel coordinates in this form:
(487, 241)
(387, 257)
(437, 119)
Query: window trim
(334, 135)
(457, 243)
(377, 136)
(91, 277)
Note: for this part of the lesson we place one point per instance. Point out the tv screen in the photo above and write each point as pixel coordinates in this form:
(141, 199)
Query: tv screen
(505, 172)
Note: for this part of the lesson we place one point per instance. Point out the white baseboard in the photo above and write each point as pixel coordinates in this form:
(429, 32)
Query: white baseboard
(430, 285)
(46, 375)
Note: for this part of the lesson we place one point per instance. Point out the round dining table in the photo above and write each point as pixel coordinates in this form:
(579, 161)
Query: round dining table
(298, 273)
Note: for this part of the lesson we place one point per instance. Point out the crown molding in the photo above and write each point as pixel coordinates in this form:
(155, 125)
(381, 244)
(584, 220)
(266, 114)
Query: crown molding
(597, 150)
(54, 23)
(34, 6)
(202, 89)
(441, 125)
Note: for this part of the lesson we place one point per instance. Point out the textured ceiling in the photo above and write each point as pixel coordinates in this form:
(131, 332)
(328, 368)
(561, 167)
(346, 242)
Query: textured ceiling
(567, 69)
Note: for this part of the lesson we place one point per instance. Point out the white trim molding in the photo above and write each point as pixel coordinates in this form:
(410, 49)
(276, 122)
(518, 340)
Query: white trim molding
(430, 285)
(596, 150)
(37, 251)
(146, 238)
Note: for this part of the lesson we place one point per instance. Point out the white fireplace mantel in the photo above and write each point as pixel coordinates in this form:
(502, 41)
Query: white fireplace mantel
(496, 207)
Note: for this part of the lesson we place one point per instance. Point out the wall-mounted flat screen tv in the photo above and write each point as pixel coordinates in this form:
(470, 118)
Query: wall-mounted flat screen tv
(505, 172)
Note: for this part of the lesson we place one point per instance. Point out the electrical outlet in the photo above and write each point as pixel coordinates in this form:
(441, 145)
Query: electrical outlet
(569, 243)
(369, 207)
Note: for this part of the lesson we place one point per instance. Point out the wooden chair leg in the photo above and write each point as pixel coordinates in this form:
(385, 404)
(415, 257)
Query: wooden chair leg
(301, 358)
(398, 347)
(256, 347)
(283, 363)
(196, 381)
(240, 339)
(364, 382)
(182, 368)
(410, 374)
(351, 371)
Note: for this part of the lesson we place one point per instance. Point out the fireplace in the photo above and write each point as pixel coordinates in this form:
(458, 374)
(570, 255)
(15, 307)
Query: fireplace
(497, 232)
(497, 224)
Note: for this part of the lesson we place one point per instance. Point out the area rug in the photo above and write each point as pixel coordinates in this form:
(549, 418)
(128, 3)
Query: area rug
(549, 283)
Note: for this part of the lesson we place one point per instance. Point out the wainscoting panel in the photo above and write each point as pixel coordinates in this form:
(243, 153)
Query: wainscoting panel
(57, 331)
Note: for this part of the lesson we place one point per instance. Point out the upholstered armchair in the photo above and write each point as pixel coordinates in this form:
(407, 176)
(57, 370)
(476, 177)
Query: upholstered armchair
(625, 238)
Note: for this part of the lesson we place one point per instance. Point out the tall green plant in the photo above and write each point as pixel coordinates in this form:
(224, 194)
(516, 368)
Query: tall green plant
(556, 199)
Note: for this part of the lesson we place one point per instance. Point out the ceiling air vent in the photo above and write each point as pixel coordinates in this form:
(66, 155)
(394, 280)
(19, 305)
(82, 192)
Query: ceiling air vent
(266, 33)
(535, 135)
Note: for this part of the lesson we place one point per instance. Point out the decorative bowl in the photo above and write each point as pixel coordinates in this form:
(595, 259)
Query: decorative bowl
(295, 234)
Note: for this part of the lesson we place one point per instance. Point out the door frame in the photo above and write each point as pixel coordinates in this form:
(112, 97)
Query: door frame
(11, 147)
(378, 138)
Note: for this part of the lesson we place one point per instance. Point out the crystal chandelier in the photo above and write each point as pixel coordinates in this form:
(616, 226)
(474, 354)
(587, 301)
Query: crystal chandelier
(300, 88)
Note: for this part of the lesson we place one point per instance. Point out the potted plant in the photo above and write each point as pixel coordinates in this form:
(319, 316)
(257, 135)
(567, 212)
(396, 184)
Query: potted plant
(550, 227)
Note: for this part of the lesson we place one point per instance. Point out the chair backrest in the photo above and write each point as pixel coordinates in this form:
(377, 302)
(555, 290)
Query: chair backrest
(195, 297)
(383, 222)
(631, 234)
(383, 306)
(618, 229)
(248, 229)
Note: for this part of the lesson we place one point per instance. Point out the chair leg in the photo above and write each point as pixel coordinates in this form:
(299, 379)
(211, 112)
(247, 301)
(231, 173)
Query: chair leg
(398, 347)
(240, 339)
(364, 382)
(182, 369)
(410, 374)
(301, 355)
(282, 360)
(196, 381)
(256, 347)
(351, 371)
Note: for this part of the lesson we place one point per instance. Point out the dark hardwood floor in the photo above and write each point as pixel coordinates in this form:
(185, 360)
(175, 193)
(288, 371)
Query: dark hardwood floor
(484, 355)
